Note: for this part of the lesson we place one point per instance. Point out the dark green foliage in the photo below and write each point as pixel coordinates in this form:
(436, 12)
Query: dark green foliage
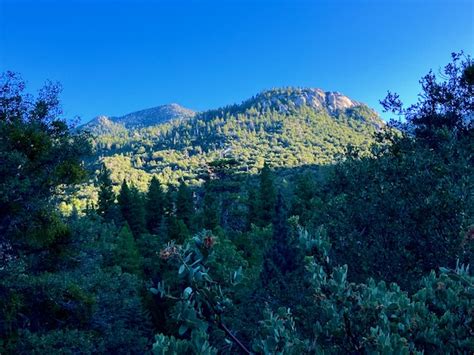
(445, 107)
(199, 301)
(86, 298)
(306, 270)
(154, 206)
(210, 209)
(408, 209)
(132, 207)
(38, 153)
(282, 256)
(184, 205)
(266, 197)
(126, 253)
(125, 200)
(106, 201)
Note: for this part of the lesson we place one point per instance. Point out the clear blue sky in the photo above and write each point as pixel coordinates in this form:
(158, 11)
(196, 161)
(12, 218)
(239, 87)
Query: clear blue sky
(114, 57)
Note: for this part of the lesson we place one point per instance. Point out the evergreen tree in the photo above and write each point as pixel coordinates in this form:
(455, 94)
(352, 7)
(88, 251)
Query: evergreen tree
(124, 201)
(127, 254)
(169, 205)
(132, 207)
(210, 213)
(184, 204)
(283, 256)
(137, 212)
(303, 197)
(266, 198)
(154, 205)
(106, 200)
(168, 220)
(252, 207)
(38, 154)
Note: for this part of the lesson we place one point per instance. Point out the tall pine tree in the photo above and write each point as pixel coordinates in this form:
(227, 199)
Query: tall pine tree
(154, 206)
(266, 198)
(106, 202)
(124, 201)
(210, 210)
(184, 205)
(283, 255)
(126, 253)
(137, 210)
(132, 207)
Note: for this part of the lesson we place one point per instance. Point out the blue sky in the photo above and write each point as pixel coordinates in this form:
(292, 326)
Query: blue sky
(114, 57)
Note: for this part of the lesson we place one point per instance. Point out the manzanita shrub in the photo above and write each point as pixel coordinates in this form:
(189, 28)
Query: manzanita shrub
(199, 302)
(372, 317)
(375, 317)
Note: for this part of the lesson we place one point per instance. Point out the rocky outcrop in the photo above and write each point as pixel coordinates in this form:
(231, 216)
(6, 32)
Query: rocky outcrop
(285, 99)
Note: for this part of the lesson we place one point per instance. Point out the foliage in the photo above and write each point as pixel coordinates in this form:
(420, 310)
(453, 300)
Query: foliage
(408, 210)
(199, 301)
(154, 205)
(106, 196)
(291, 260)
(38, 154)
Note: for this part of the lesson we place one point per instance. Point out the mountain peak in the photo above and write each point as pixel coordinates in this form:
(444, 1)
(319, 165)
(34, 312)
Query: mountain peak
(143, 118)
(154, 115)
(285, 98)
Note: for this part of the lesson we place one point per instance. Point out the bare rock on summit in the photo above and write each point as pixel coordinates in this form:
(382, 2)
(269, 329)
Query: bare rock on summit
(284, 99)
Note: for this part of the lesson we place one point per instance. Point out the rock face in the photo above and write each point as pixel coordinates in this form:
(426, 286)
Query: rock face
(142, 118)
(284, 99)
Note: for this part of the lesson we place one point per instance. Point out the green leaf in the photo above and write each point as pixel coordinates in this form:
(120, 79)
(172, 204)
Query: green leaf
(187, 292)
(182, 329)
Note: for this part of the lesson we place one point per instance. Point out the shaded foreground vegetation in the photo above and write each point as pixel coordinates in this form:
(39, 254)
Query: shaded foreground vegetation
(371, 259)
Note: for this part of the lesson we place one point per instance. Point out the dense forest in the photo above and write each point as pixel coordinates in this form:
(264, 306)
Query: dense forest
(248, 229)
(284, 127)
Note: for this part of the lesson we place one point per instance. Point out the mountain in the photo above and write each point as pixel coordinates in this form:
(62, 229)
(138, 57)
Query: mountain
(287, 127)
(285, 99)
(139, 119)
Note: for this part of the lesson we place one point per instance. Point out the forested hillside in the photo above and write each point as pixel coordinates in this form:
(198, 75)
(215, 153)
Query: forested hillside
(283, 127)
(293, 223)
(276, 126)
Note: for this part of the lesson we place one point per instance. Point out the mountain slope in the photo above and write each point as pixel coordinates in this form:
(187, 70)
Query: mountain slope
(285, 127)
(139, 119)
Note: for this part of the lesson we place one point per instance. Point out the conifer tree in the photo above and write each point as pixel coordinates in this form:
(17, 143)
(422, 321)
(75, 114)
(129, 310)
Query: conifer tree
(252, 207)
(137, 212)
(267, 197)
(106, 201)
(210, 214)
(132, 208)
(283, 256)
(168, 206)
(124, 200)
(154, 206)
(127, 253)
(184, 204)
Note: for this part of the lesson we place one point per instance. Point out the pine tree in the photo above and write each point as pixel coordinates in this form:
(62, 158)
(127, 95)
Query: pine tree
(184, 205)
(168, 205)
(266, 198)
(127, 254)
(132, 207)
(154, 206)
(106, 201)
(124, 201)
(283, 256)
(252, 207)
(137, 219)
(210, 214)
